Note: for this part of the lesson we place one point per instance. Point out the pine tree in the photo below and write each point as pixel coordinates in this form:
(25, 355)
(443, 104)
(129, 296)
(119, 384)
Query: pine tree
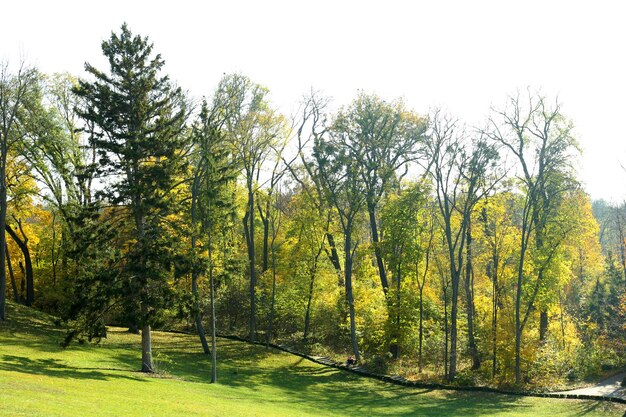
(138, 118)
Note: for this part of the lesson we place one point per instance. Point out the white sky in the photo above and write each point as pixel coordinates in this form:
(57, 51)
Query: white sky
(463, 55)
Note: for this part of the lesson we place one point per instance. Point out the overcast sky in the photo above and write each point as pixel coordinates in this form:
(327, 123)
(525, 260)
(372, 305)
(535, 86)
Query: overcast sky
(463, 55)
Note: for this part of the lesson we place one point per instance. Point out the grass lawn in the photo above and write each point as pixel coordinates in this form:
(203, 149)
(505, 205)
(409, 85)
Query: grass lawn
(39, 378)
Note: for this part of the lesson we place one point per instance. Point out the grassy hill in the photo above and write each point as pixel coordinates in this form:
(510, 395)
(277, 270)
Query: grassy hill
(39, 378)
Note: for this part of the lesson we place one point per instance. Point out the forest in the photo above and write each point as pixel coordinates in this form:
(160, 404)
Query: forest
(416, 243)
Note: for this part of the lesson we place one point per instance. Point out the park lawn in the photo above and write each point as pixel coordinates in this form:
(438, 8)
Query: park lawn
(39, 378)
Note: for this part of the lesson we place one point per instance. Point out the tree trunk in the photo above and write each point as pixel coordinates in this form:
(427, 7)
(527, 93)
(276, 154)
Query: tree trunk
(543, 326)
(307, 315)
(270, 328)
(194, 271)
(469, 292)
(454, 325)
(349, 296)
(248, 227)
(212, 302)
(494, 319)
(375, 239)
(213, 333)
(518, 305)
(395, 347)
(421, 329)
(16, 294)
(446, 334)
(23, 245)
(3, 218)
(334, 258)
(146, 342)
(265, 219)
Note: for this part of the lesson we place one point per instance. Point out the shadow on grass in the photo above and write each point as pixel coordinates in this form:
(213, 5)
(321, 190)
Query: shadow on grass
(58, 369)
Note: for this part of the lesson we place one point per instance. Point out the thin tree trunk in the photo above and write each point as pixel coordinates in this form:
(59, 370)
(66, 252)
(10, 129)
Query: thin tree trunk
(194, 271)
(266, 233)
(251, 255)
(212, 302)
(349, 296)
(272, 302)
(23, 245)
(3, 218)
(16, 295)
(307, 315)
(494, 320)
(469, 292)
(454, 326)
(543, 326)
(445, 329)
(146, 342)
(333, 255)
(53, 254)
(375, 239)
(421, 330)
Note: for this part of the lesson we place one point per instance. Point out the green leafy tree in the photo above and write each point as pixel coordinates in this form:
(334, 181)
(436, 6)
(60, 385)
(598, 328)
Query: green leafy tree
(540, 139)
(383, 138)
(18, 93)
(137, 117)
(252, 129)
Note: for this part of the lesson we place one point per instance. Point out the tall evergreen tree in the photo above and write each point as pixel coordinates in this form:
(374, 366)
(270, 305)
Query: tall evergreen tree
(137, 117)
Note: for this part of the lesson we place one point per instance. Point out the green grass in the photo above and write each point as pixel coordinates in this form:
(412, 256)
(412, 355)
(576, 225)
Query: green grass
(39, 378)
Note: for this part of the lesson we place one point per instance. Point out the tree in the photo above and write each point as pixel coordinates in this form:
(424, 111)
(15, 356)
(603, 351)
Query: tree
(17, 93)
(252, 128)
(540, 138)
(406, 246)
(342, 187)
(461, 173)
(497, 235)
(382, 138)
(211, 202)
(136, 118)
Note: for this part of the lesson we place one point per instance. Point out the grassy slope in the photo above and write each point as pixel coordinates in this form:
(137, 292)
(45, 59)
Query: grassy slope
(38, 378)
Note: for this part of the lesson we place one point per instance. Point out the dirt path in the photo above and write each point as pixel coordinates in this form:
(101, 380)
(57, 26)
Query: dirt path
(609, 387)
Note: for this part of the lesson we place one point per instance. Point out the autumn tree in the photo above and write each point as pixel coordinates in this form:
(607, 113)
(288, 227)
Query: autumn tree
(540, 138)
(342, 186)
(382, 138)
(252, 129)
(17, 92)
(461, 173)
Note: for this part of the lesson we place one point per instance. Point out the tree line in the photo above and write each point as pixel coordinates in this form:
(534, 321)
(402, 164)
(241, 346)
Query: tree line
(408, 240)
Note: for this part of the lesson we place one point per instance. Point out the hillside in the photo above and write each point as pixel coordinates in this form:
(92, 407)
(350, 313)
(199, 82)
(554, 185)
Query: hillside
(39, 378)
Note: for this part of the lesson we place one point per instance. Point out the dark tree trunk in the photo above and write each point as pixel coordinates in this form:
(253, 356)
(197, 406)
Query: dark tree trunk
(543, 326)
(333, 255)
(395, 347)
(376, 240)
(454, 325)
(349, 296)
(493, 273)
(16, 294)
(194, 271)
(3, 218)
(23, 245)
(270, 328)
(265, 219)
(421, 329)
(469, 292)
(446, 333)
(249, 227)
(307, 314)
